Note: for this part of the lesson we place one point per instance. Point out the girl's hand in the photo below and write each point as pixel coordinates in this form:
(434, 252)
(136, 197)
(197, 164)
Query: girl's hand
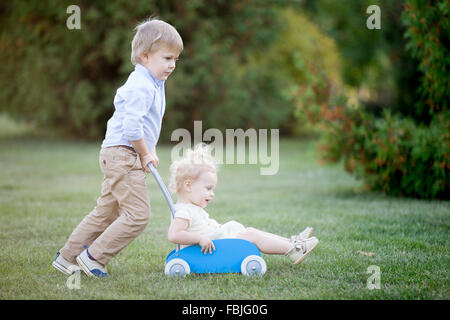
(206, 244)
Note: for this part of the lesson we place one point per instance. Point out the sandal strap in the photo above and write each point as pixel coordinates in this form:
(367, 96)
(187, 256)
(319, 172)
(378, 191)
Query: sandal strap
(303, 244)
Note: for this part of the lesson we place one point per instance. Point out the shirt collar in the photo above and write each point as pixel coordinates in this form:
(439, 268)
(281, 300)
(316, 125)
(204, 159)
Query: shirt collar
(140, 68)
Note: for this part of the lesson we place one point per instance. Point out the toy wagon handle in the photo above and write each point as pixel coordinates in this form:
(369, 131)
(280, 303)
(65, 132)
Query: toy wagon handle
(164, 191)
(163, 188)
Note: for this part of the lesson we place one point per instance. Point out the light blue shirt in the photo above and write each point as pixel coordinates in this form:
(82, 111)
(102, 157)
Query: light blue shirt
(139, 108)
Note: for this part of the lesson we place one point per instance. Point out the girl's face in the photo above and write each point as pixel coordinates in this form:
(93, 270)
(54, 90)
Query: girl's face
(161, 62)
(201, 191)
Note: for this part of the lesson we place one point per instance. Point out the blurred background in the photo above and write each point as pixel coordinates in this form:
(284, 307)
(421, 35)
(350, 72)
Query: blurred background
(377, 100)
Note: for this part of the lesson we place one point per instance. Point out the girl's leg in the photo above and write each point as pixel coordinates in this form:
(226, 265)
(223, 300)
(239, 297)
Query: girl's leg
(266, 242)
(268, 234)
(307, 233)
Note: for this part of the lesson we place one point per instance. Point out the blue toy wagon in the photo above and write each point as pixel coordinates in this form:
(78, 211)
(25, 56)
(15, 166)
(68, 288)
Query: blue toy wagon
(230, 256)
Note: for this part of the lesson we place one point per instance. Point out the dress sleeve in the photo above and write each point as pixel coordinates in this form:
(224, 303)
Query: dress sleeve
(183, 213)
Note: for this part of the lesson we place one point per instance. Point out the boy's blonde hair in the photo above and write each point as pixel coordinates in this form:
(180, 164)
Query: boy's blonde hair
(151, 35)
(191, 166)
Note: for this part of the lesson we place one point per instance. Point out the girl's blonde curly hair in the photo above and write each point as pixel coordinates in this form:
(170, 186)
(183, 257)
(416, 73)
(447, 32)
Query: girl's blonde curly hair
(194, 162)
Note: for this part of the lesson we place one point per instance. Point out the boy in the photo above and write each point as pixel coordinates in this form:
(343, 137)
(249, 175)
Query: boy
(123, 209)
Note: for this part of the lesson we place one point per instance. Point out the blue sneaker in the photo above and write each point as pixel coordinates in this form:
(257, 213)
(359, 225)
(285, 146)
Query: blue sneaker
(64, 266)
(91, 267)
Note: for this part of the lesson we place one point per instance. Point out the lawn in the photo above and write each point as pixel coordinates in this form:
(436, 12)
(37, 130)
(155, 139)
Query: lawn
(47, 187)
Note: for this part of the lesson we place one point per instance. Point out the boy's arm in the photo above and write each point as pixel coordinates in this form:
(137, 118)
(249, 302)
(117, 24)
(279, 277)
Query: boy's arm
(177, 234)
(146, 155)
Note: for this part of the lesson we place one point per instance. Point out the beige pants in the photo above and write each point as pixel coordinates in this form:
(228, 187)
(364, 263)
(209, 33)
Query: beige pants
(122, 210)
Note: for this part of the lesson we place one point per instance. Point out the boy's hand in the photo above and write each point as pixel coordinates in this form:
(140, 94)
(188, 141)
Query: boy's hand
(156, 157)
(145, 155)
(206, 244)
(147, 158)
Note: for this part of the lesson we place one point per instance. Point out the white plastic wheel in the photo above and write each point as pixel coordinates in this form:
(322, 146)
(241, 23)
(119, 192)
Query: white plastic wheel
(177, 268)
(253, 266)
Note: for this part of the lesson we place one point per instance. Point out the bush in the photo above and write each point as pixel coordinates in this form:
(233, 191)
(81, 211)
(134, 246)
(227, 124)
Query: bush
(307, 64)
(375, 63)
(391, 154)
(428, 33)
(65, 80)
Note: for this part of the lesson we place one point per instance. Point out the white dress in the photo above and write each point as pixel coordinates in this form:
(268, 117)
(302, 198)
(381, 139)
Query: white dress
(200, 222)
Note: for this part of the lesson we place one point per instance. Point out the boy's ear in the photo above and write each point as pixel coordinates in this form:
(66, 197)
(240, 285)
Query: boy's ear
(144, 57)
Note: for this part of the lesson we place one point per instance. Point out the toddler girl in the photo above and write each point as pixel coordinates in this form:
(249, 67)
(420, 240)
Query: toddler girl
(194, 178)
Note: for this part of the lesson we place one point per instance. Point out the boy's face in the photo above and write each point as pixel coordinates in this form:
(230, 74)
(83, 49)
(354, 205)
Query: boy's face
(202, 188)
(161, 62)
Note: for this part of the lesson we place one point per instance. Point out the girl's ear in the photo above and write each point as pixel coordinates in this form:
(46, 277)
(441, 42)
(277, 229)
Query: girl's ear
(187, 185)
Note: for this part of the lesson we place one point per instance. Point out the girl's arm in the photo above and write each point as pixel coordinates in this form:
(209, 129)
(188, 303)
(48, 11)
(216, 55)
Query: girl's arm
(178, 234)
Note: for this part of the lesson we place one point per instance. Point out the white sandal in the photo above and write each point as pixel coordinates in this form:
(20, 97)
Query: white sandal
(301, 249)
(305, 234)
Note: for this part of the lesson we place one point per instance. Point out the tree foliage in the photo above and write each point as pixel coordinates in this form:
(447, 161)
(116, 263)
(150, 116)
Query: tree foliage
(428, 37)
(66, 79)
(374, 61)
(399, 155)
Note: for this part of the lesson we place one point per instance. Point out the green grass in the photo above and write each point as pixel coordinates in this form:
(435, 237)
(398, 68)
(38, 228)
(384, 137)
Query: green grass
(47, 187)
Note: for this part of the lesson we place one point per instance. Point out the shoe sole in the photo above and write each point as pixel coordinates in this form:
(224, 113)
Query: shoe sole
(306, 254)
(84, 267)
(61, 269)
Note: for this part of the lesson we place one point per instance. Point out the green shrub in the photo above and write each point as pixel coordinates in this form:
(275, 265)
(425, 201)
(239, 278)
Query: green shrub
(391, 154)
(375, 63)
(429, 39)
(65, 80)
(307, 64)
